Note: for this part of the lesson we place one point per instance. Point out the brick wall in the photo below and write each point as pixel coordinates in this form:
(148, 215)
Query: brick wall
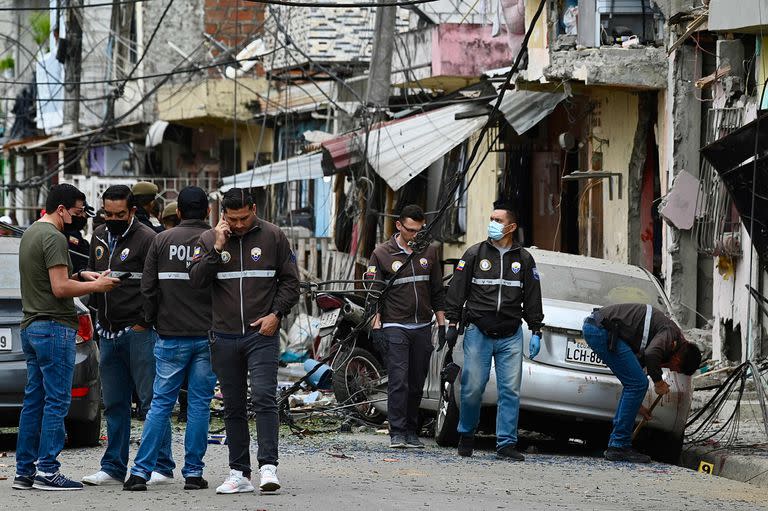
(222, 18)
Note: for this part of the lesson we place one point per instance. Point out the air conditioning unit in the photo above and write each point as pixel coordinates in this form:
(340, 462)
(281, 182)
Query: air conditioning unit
(606, 22)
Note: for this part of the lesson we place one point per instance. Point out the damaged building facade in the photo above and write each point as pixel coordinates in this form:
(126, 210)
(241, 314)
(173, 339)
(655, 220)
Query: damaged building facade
(649, 85)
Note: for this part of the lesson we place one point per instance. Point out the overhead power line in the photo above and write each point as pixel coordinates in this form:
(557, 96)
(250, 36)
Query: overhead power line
(64, 7)
(294, 3)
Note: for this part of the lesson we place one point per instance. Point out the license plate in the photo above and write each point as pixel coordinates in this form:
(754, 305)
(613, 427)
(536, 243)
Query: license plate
(329, 318)
(578, 352)
(6, 339)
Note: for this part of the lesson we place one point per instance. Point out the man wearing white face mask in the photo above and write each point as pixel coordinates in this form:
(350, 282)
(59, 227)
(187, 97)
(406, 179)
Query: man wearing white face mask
(494, 287)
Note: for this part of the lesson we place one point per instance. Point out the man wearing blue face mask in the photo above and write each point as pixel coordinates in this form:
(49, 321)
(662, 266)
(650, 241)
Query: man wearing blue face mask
(494, 287)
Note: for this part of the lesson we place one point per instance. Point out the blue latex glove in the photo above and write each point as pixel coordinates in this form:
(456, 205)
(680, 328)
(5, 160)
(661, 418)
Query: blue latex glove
(534, 346)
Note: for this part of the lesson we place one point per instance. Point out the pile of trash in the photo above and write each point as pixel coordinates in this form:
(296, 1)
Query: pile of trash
(296, 345)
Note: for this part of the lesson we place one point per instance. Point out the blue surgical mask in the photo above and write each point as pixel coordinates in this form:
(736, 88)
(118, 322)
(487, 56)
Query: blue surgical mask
(495, 230)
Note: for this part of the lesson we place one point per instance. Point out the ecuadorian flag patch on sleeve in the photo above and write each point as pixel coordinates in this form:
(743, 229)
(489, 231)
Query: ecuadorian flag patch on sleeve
(460, 266)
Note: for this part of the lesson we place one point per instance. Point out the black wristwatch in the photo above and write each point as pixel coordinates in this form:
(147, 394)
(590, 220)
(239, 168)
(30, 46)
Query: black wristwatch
(80, 275)
(278, 314)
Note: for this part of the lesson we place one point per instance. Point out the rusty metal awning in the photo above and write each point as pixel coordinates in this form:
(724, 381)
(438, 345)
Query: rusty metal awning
(400, 150)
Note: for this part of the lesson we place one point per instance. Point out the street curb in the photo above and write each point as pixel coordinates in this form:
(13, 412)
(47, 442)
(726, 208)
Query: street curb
(747, 466)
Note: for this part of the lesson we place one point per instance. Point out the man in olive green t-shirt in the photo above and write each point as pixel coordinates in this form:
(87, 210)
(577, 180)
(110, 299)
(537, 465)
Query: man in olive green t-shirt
(48, 339)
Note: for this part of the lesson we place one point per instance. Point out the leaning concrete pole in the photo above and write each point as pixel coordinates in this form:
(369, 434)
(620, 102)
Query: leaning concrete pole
(380, 72)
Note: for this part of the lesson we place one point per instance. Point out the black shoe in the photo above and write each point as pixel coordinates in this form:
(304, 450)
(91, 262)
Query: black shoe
(135, 483)
(466, 445)
(195, 483)
(23, 482)
(626, 454)
(55, 482)
(412, 441)
(508, 452)
(397, 441)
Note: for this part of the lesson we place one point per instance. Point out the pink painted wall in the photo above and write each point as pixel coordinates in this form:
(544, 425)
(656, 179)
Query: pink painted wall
(468, 50)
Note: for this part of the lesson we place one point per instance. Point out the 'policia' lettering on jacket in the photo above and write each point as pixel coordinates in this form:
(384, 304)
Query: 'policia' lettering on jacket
(173, 305)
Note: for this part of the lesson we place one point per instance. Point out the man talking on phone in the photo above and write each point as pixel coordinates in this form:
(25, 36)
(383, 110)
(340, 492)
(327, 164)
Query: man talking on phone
(251, 269)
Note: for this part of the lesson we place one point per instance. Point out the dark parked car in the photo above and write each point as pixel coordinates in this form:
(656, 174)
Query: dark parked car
(84, 418)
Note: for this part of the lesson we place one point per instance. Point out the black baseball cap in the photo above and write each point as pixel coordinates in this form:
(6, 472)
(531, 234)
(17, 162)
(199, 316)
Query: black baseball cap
(193, 202)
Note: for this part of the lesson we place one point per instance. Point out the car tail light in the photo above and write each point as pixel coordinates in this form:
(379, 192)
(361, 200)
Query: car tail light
(329, 302)
(80, 391)
(85, 328)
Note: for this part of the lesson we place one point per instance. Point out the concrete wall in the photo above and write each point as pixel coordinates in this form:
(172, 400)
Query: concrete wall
(737, 16)
(616, 115)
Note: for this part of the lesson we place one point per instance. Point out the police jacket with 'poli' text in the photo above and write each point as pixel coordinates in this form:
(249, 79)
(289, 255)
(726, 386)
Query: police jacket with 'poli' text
(123, 306)
(417, 291)
(654, 347)
(173, 305)
(498, 292)
(254, 275)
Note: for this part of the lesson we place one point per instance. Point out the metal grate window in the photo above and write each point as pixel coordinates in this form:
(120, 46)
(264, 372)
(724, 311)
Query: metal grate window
(717, 226)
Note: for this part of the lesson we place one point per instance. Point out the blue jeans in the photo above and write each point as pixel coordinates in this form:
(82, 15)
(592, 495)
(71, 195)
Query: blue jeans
(49, 348)
(177, 358)
(625, 366)
(128, 362)
(479, 351)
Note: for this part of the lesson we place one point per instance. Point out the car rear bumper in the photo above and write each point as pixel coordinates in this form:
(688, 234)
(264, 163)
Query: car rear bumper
(13, 376)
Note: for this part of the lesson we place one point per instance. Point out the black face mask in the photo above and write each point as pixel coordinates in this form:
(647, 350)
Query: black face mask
(78, 224)
(117, 227)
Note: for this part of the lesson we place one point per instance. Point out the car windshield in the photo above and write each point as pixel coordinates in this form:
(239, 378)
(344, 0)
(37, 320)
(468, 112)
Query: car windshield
(597, 287)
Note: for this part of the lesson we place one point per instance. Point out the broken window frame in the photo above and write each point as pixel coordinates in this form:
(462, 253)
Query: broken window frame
(717, 226)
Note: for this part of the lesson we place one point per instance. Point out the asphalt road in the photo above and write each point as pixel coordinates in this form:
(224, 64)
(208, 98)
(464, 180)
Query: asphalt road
(358, 471)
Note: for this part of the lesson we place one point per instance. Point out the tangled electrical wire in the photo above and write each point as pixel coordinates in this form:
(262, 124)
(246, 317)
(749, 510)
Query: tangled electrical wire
(715, 423)
(424, 237)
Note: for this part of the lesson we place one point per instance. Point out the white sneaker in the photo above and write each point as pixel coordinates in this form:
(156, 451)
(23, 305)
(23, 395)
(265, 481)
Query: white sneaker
(158, 479)
(235, 483)
(101, 478)
(269, 480)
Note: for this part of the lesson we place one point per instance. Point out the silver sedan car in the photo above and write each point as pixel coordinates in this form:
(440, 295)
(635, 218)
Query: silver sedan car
(567, 391)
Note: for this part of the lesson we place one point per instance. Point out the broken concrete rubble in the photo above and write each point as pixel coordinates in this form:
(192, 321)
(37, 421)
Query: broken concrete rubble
(644, 68)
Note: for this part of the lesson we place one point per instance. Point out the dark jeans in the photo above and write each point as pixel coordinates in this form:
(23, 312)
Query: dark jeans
(127, 363)
(234, 360)
(49, 348)
(407, 366)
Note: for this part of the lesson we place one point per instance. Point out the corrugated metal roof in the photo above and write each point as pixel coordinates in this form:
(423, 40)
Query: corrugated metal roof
(305, 166)
(399, 150)
(524, 109)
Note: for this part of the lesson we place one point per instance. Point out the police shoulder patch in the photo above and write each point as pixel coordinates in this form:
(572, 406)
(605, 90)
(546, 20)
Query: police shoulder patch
(536, 274)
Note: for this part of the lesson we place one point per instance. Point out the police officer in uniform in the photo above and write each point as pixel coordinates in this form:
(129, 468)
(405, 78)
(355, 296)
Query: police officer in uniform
(628, 337)
(170, 217)
(404, 320)
(497, 282)
(145, 194)
(127, 339)
(251, 270)
(182, 317)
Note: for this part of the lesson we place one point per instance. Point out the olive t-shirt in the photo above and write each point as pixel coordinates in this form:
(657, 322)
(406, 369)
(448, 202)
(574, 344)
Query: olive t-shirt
(42, 247)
